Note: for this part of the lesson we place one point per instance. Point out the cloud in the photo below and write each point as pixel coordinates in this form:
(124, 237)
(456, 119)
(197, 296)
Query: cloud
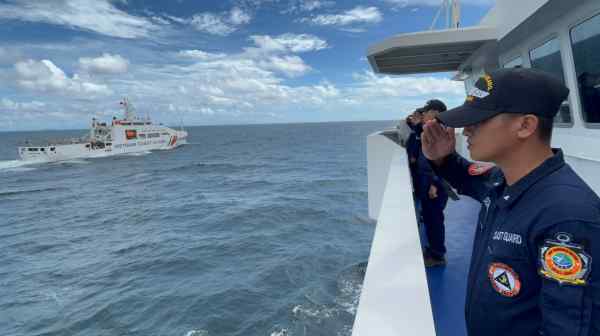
(291, 66)
(238, 16)
(307, 5)
(370, 86)
(200, 55)
(357, 15)
(221, 24)
(105, 64)
(46, 77)
(17, 106)
(289, 42)
(99, 16)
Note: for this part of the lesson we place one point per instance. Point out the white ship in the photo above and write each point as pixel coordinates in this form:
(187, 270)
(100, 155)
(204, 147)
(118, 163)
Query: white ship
(400, 297)
(122, 136)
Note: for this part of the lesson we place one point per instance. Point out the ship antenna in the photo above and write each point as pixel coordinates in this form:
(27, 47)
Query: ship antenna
(452, 10)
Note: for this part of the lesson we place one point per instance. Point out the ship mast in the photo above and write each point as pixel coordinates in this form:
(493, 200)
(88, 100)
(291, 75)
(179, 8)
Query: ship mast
(452, 10)
(129, 110)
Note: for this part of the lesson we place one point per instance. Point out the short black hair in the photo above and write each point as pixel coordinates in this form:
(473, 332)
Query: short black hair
(435, 104)
(545, 126)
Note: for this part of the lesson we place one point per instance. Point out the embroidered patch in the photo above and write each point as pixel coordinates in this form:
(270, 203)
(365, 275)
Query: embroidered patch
(479, 168)
(504, 279)
(564, 261)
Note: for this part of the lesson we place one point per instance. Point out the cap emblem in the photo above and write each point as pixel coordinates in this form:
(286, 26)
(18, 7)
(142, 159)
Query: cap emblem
(489, 82)
(476, 92)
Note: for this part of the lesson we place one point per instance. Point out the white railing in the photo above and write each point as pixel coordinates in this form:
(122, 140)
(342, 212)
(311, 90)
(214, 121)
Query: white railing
(395, 297)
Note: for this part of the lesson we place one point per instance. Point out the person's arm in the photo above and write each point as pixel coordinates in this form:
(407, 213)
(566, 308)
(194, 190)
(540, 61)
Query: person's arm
(570, 293)
(460, 174)
(438, 144)
(564, 244)
(412, 148)
(428, 177)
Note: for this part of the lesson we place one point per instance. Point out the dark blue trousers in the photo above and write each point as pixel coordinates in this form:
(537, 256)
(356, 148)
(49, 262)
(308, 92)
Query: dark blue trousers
(433, 216)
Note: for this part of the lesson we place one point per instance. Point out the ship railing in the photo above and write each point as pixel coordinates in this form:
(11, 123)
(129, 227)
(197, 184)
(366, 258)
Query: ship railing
(52, 142)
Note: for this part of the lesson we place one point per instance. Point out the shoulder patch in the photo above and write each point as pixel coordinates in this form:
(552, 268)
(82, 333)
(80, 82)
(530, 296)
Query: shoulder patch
(479, 168)
(564, 261)
(504, 280)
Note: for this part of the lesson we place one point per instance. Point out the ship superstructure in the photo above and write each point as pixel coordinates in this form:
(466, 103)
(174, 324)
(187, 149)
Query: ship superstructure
(130, 134)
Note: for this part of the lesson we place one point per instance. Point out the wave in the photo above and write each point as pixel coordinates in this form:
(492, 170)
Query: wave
(280, 332)
(221, 168)
(26, 191)
(138, 153)
(349, 286)
(71, 162)
(199, 332)
(17, 165)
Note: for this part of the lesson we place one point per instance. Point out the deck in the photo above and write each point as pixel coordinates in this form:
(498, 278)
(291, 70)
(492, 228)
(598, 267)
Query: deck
(447, 285)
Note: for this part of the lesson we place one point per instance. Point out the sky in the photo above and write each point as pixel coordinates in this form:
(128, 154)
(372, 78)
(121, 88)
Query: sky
(196, 62)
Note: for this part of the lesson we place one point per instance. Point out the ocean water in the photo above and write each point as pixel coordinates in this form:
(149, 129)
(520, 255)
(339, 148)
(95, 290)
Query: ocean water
(248, 230)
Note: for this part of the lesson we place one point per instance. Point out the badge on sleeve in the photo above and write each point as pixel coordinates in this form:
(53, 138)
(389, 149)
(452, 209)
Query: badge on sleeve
(564, 261)
(479, 168)
(504, 279)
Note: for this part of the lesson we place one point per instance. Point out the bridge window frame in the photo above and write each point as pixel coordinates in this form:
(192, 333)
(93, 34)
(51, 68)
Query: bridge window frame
(570, 28)
(536, 46)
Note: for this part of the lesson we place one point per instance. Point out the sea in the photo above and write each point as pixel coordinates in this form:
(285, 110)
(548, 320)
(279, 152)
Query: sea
(247, 230)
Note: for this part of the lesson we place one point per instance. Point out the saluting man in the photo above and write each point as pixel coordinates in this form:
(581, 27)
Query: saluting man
(538, 231)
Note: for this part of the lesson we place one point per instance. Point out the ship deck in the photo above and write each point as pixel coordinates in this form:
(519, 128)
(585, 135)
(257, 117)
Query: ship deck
(447, 285)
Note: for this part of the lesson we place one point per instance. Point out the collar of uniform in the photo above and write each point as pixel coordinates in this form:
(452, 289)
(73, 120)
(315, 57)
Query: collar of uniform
(512, 193)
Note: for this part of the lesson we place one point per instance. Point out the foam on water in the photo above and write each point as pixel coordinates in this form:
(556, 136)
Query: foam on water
(280, 332)
(138, 153)
(17, 165)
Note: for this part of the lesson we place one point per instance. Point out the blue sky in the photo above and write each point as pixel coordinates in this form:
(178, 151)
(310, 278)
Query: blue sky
(63, 62)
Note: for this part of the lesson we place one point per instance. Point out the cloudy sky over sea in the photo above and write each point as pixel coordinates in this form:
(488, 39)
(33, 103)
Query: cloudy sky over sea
(63, 62)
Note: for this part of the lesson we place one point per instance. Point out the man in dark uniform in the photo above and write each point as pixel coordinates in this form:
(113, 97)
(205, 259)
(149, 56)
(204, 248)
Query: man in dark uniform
(538, 231)
(433, 196)
(413, 151)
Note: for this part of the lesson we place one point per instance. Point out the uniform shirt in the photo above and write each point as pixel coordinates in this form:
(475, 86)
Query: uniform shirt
(531, 270)
(423, 176)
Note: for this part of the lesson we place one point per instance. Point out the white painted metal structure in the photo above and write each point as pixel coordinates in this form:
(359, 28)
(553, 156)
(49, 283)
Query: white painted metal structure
(395, 299)
(123, 136)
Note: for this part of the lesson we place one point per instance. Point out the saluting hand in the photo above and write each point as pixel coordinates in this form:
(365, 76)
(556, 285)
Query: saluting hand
(437, 141)
(432, 192)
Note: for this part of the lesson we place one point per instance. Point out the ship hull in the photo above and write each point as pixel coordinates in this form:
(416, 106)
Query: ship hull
(62, 152)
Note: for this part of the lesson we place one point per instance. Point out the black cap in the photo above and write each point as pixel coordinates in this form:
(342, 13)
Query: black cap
(420, 110)
(435, 104)
(522, 91)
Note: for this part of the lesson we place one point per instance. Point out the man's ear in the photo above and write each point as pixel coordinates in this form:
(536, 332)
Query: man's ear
(528, 124)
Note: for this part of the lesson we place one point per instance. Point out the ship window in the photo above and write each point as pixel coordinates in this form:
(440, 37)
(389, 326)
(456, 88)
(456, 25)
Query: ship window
(585, 40)
(43, 149)
(130, 134)
(514, 63)
(547, 58)
(52, 149)
(142, 136)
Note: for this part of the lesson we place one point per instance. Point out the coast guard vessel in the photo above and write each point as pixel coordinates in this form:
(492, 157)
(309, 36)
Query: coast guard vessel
(400, 297)
(122, 136)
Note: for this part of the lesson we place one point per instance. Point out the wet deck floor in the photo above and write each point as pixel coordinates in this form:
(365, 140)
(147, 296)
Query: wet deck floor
(447, 285)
